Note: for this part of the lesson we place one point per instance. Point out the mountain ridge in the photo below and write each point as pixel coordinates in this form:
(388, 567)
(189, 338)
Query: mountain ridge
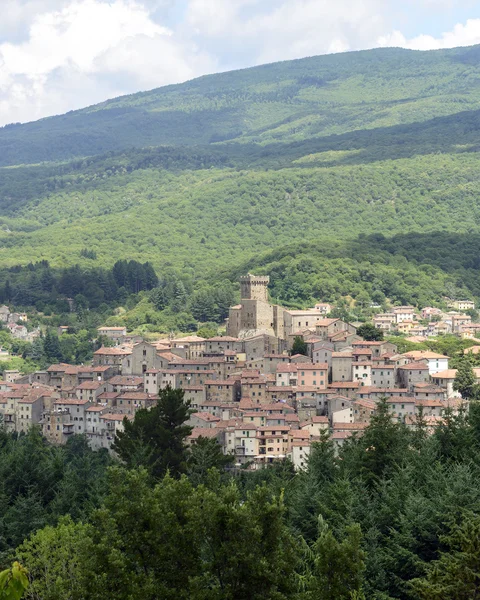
(314, 153)
(308, 97)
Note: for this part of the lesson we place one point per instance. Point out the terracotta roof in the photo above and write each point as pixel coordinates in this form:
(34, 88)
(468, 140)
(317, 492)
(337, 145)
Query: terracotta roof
(414, 366)
(416, 354)
(447, 374)
(97, 369)
(115, 351)
(344, 384)
(125, 380)
(299, 433)
(136, 396)
(287, 368)
(325, 322)
(350, 426)
(207, 432)
(117, 417)
(90, 385)
(401, 400)
(108, 395)
(365, 403)
(189, 338)
(291, 418)
(71, 401)
(59, 367)
(206, 416)
(312, 367)
(429, 402)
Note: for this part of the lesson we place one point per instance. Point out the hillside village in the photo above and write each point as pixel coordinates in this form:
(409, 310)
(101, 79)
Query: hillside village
(261, 401)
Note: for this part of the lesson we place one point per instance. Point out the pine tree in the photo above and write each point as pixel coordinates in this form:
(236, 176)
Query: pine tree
(465, 381)
(52, 348)
(456, 575)
(156, 438)
(299, 346)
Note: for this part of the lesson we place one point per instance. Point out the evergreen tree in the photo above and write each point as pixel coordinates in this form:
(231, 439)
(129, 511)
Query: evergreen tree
(465, 381)
(456, 574)
(299, 346)
(370, 333)
(206, 454)
(51, 346)
(334, 569)
(383, 447)
(156, 438)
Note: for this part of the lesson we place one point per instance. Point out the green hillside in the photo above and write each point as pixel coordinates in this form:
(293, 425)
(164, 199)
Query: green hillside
(228, 172)
(292, 100)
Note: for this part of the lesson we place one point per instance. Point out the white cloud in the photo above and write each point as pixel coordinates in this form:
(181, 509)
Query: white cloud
(461, 35)
(288, 29)
(58, 55)
(88, 51)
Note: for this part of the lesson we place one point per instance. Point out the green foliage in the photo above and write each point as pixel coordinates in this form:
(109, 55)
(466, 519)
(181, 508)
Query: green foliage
(206, 454)
(456, 574)
(335, 569)
(156, 437)
(13, 582)
(299, 346)
(169, 541)
(380, 142)
(369, 332)
(465, 381)
(59, 481)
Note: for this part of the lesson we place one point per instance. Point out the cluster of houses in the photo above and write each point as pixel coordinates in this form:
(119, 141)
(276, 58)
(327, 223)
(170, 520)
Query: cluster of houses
(429, 321)
(260, 402)
(16, 324)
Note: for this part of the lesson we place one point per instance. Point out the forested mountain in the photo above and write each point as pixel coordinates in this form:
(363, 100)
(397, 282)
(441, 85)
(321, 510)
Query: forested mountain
(231, 171)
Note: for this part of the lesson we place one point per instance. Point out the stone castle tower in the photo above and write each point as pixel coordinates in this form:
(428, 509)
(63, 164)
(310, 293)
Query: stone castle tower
(254, 288)
(255, 315)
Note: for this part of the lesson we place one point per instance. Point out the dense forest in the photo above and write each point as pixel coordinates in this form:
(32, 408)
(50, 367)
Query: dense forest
(351, 175)
(392, 514)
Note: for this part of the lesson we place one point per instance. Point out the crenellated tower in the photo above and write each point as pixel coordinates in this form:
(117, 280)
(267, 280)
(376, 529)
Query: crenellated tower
(253, 287)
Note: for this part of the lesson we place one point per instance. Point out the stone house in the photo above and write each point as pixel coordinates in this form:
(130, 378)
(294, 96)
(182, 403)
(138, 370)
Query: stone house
(90, 390)
(436, 362)
(116, 334)
(227, 390)
(313, 375)
(410, 374)
(118, 357)
(342, 366)
(383, 375)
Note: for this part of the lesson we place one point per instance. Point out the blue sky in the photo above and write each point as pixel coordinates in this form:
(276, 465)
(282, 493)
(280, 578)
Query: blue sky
(59, 55)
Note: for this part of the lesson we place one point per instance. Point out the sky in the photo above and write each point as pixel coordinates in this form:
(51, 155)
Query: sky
(61, 55)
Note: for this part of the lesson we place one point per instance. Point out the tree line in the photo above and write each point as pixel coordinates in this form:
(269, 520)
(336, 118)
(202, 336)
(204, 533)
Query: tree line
(391, 514)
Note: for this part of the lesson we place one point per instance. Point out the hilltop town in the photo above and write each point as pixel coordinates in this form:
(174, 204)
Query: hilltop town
(266, 390)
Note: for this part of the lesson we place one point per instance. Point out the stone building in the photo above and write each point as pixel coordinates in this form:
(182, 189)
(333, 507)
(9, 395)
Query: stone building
(255, 315)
